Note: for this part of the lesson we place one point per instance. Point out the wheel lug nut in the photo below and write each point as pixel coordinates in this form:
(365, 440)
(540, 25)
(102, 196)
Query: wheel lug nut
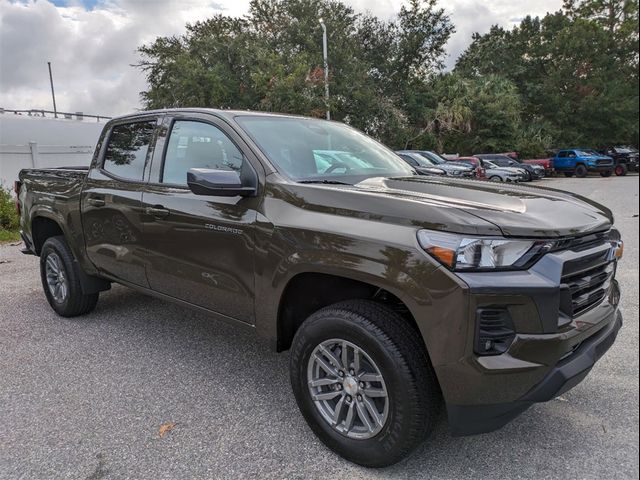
(361, 384)
(359, 398)
(351, 372)
(348, 398)
(341, 373)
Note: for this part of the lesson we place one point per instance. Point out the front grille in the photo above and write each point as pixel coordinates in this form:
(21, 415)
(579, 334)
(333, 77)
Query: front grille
(603, 162)
(585, 283)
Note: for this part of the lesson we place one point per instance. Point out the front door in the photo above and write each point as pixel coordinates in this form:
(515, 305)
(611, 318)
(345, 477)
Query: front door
(111, 202)
(199, 248)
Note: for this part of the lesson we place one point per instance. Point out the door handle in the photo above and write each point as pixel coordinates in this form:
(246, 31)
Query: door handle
(157, 211)
(96, 202)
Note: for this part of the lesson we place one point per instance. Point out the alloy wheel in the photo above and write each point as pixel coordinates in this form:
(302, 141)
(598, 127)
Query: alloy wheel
(348, 389)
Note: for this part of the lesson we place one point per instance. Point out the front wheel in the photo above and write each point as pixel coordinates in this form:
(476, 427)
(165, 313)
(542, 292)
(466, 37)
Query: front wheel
(363, 382)
(61, 282)
(581, 171)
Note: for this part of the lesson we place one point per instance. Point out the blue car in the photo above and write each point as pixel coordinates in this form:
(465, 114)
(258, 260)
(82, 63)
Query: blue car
(581, 161)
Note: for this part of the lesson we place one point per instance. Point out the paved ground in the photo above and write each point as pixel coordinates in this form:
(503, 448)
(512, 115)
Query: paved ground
(84, 398)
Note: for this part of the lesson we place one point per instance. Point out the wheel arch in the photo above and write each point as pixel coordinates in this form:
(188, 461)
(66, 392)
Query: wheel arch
(296, 305)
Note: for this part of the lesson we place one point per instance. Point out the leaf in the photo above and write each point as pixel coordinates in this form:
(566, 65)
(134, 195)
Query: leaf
(165, 428)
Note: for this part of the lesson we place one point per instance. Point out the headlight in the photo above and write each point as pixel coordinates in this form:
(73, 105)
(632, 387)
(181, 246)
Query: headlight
(617, 244)
(459, 252)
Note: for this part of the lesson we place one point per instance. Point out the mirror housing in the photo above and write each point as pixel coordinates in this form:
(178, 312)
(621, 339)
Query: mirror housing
(221, 183)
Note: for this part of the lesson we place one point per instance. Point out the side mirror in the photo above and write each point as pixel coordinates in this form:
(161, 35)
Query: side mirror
(219, 183)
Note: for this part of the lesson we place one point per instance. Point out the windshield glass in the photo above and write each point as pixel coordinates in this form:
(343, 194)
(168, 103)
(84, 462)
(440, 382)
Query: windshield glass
(434, 157)
(307, 149)
(587, 153)
(422, 160)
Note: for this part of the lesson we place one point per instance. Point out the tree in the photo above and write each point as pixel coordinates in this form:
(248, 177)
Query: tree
(271, 59)
(576, 74)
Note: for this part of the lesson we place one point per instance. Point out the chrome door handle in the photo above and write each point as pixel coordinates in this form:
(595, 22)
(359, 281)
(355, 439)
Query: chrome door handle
(159, 212)
(96, 202)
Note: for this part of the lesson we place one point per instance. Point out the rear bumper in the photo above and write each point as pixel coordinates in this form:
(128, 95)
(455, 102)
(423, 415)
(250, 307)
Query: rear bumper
(569, 372)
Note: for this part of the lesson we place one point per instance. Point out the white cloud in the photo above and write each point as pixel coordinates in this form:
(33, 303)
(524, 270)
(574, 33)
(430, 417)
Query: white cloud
(91, 50)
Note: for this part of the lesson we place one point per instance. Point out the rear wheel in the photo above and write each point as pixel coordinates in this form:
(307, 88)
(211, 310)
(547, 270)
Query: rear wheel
(60, 280)
(621, 170)
(606, 173)
(495, 178)
(363, 382)
(581, 171)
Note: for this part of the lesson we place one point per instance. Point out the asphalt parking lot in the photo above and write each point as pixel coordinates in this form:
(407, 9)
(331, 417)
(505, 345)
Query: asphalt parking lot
(85, 398)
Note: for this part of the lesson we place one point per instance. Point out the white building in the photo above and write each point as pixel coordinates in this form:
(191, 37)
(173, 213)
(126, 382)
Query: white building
(33, 141)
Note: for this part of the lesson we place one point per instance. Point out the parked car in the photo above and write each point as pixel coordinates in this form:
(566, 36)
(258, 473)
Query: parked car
(397, 294)
(581, 161)
(546, 163)
(532, 172)
(420, 161)
(496, 173)
(625, 158)
(445, 160)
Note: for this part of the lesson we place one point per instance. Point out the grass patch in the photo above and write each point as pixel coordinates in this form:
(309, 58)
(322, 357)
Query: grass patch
(9, 236)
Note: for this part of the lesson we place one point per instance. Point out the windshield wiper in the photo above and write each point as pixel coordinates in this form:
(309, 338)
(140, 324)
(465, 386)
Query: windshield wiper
(326, 182)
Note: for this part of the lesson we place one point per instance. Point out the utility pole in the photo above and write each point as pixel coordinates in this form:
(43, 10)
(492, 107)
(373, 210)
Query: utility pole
(53, 93)
(326, 67)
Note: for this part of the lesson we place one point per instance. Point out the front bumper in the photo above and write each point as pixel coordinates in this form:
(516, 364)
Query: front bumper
(569, 372)
(562, 315)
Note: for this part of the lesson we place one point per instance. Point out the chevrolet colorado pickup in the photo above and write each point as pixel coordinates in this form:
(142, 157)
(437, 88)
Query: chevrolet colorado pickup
(396, 294)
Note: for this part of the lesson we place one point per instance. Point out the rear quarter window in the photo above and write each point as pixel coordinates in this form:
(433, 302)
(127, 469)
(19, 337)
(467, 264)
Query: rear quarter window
(127, 149)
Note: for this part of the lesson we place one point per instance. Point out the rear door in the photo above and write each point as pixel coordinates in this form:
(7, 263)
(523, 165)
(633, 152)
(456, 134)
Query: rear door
(111, 205)
(200, 248)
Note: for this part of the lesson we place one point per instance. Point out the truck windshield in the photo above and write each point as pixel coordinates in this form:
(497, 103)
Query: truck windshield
(316, 150)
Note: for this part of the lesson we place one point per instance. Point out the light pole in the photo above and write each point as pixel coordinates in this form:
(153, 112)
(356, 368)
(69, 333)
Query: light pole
(53, 93)
(326, 67)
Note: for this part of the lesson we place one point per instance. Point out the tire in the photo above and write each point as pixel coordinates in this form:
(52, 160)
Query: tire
(581, 171)
(621, 170)
(568, 174)
(606, 173)
(413, 397)
(495, 178)
(67, 300)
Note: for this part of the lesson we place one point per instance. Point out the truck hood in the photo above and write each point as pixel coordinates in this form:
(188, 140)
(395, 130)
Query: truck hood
(460, 206)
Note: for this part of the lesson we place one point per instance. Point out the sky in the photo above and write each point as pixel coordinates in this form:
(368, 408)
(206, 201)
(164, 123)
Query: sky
(91, 44)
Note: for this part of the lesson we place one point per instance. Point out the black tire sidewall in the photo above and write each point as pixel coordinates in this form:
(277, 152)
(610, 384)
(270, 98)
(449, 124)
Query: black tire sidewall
(581, 171)
(387, 446)
(76, 302)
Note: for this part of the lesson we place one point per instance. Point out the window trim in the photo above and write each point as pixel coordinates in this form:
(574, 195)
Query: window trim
(172, 121)
(149, 154)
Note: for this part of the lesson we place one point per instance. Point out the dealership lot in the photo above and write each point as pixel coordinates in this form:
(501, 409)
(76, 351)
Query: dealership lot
(86, 397)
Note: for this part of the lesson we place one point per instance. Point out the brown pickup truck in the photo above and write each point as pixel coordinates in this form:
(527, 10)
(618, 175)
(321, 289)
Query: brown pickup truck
(396, 294)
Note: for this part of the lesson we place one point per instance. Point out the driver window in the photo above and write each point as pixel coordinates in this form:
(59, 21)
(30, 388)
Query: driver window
(198, 145)
(572, 155)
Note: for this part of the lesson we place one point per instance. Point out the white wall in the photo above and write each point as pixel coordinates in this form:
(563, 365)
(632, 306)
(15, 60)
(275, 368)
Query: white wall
(28, 142)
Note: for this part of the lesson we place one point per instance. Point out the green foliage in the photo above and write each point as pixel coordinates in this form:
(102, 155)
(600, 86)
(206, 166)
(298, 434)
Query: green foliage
(576, 70)
(9, 220)
(271, 59)
(569, 78)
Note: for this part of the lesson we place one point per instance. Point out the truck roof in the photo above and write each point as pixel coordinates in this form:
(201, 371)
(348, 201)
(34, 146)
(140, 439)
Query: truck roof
(229, 114)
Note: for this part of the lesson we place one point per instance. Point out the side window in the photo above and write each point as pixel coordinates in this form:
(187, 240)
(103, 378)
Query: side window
(198, 145)
(562, 154)
(571, 154)
(126, 151)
